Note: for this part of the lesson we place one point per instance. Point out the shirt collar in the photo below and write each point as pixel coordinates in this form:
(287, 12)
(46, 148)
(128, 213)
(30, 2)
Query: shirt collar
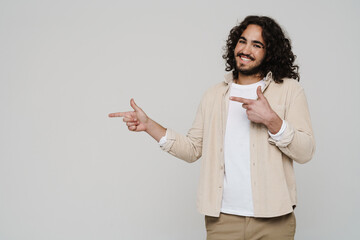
(229, 77)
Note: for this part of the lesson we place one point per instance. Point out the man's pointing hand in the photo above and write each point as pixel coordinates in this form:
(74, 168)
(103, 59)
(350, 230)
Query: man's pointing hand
(135, 120)
(260, 111)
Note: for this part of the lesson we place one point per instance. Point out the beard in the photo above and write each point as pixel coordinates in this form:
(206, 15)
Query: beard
(250, 71)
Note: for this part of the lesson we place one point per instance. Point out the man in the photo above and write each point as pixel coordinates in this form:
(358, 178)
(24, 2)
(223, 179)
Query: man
(248, 129)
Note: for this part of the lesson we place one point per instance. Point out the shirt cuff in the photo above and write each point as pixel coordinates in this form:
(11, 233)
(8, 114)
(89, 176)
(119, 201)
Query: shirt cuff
(277, 136)
(163, 140)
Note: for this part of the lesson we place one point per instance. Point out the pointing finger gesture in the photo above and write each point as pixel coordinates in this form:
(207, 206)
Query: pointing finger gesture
(135, 120)
(260, 111)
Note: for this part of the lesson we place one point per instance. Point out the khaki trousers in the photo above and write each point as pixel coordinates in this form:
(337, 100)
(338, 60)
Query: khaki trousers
(233, 227)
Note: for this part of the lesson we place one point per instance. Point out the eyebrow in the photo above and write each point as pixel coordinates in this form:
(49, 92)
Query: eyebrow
(254, 41)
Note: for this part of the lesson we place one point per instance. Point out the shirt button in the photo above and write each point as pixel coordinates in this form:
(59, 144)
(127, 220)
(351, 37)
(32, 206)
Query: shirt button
(220, 149)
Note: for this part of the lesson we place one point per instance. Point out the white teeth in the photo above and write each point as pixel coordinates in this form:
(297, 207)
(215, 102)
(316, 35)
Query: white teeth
(246, 59)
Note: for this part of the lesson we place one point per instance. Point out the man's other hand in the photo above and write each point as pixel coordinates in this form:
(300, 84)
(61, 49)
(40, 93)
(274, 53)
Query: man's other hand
(136, 120)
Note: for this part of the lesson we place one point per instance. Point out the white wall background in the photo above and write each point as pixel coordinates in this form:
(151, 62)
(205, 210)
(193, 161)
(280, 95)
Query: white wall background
(67, 171)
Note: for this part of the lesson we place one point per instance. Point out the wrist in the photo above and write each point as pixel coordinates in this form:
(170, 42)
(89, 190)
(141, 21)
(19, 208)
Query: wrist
(148, 124)
(274, 123)
(154, 129)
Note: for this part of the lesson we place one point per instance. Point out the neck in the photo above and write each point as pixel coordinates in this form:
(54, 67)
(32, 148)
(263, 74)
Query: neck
(248, 79)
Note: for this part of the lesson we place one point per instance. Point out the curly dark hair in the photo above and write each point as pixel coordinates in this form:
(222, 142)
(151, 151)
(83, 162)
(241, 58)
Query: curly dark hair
(279, 58)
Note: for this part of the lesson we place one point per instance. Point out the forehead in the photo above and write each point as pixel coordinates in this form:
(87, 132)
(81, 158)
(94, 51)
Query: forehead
(253, 33)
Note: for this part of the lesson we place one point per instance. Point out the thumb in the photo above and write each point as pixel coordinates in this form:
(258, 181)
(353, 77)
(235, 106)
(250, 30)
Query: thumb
(259, 93)
(134, 106)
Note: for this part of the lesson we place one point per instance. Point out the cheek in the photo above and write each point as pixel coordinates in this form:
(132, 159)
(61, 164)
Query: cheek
(237, 49)
(260, 55)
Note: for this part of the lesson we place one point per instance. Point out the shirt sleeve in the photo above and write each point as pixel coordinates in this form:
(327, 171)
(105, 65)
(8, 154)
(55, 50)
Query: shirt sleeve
(186, 147)
(163, 140)
(277, 136)
(297, 140)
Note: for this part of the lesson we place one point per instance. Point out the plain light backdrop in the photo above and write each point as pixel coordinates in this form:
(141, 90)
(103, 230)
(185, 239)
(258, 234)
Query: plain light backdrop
(67, 171)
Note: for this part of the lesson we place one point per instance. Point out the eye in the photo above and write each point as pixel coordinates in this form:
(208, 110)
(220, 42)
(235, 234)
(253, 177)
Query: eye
(257, 46)
(242, 41)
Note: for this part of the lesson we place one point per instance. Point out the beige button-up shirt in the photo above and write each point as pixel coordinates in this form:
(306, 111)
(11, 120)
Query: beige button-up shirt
(272, 173)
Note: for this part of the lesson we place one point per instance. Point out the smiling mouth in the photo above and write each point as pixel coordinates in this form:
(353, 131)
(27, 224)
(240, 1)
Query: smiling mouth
(245, 58)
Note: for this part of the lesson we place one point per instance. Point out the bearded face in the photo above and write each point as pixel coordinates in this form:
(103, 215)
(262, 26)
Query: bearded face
(250, 51)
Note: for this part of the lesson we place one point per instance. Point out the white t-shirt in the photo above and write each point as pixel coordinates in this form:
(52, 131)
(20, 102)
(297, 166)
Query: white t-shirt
(237, 195)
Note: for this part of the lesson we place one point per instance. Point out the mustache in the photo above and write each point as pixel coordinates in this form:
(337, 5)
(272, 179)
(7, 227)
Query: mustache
(245, 55)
